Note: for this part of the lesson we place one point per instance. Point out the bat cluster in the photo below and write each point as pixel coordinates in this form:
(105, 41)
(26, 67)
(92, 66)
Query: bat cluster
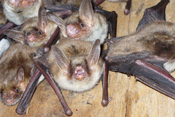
(62, 42)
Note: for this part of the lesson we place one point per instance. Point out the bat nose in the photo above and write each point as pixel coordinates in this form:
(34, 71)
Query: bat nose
(79, 73)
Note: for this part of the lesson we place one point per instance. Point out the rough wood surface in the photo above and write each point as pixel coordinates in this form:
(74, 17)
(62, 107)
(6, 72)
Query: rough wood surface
(129, 97)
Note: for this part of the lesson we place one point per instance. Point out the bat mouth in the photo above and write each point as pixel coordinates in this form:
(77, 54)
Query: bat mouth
(10, 102)
(79, 73)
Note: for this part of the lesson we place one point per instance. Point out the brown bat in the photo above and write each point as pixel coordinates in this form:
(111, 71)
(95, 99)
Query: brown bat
(76, 65)
(16, 70)
(19, 10)
(151, 14)
(148, 54)
(35, 31)
(85, 24)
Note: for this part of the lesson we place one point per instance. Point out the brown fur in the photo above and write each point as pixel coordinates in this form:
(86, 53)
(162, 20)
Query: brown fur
(17, 56)
(3, 19)
(157, 38)
(36, 34)
(86, 24)
(21, 10)
(76, 51)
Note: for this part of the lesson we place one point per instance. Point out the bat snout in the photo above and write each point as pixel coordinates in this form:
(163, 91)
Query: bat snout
(10, 98)
(79, 73)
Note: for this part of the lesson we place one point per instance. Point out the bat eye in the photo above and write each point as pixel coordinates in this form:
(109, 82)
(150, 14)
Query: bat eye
(33, 54)
(39, 32)
(82, 25)
(17, 90)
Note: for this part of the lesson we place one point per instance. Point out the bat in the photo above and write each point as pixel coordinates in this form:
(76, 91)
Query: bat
(84, 24)
(32, 85)
(21, 109)
(147, 54)
(17, 11)
(16, 70)
(75, 64)
(35, 31)
(153, 13)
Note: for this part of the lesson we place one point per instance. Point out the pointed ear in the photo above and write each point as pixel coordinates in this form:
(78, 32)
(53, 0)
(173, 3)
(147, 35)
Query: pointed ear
(94, 54)
(42, 18)
(59, 21)
(86, 12)
(60, 58)
(15, 35)
(20, 75)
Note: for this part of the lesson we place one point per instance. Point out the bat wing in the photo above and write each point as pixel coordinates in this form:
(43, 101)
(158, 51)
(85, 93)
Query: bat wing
(147, 69)
(154, 76)
(151, 14)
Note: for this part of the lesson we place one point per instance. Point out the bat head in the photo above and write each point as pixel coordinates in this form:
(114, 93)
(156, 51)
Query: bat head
(12, 88)
(16, 67)
(79, 72)
(85, 24)
(34, 37)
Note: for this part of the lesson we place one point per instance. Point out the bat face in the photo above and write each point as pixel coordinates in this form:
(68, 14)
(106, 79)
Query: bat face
(11, 90)
(15, 72)
(76, 67)
(34, 31)
(85, 24)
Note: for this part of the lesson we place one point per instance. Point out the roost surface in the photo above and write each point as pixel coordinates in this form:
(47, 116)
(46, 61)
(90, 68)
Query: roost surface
(129, 97)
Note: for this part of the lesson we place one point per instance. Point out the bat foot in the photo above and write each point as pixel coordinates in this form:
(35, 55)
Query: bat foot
(69, 112)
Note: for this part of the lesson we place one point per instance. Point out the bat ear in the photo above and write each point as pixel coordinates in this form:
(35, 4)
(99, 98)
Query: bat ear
(15, 35)
(42, 18)
(94, 54)
(86, 12)
(60, 58)
(20, 75)
(59, 21)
